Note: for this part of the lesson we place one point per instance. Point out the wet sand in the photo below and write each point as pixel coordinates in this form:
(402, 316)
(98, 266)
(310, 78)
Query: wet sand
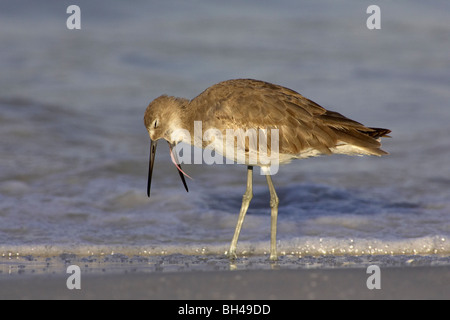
(210, 281)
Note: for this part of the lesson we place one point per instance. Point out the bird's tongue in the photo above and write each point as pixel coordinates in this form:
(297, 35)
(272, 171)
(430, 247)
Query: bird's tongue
(172, 156)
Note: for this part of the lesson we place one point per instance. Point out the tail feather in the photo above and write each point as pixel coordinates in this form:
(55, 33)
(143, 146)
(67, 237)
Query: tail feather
(368, 140)
(355, 134)
(378, 133)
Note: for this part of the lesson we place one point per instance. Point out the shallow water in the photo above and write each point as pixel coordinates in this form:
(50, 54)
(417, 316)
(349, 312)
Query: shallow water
(74, 150)
(117, 263)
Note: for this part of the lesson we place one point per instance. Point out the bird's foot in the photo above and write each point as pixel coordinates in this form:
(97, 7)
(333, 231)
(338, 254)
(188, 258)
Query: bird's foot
(232, 255)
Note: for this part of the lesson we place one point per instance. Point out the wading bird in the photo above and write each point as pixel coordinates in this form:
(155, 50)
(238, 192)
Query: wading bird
(304, 129)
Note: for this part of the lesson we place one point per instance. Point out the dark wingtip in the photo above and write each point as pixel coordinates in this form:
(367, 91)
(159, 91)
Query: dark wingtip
(379, 133)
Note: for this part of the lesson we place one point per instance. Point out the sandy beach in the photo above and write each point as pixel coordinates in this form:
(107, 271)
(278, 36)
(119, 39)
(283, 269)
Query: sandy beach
(207, 278)
(397, 283)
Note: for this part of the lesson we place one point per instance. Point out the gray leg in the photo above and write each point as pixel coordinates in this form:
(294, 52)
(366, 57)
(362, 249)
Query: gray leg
(273, 223)
(248, 195)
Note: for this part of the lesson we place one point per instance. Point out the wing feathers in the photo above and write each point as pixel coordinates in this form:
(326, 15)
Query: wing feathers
(304, 125)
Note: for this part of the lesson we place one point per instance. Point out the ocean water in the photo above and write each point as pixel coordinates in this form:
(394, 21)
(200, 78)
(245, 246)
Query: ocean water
(74, 150)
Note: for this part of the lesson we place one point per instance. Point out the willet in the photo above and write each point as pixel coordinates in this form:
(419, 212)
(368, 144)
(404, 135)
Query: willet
(304, 129)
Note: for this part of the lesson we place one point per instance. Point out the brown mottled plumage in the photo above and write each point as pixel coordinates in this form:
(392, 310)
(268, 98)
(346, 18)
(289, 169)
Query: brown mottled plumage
(305, 128)
(246, 103)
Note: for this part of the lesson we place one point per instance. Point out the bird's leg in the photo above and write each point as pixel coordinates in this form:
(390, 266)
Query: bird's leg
(248, 195)
(273, 222)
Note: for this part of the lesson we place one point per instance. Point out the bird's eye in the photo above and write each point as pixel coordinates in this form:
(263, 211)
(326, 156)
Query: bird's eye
(155, 123)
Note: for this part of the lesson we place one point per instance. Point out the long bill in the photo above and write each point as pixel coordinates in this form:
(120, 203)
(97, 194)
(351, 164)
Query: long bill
(151, 161)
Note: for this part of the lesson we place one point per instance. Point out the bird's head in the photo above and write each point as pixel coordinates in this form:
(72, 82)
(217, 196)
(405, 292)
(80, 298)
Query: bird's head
(162, 117)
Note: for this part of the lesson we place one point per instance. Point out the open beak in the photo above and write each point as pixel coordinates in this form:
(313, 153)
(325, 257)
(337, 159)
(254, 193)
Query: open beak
(151, 161)
(180, 171)
(153, 145)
